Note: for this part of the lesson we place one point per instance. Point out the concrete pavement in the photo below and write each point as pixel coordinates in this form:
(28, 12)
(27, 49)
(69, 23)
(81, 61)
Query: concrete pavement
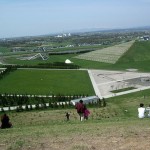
(105, 81)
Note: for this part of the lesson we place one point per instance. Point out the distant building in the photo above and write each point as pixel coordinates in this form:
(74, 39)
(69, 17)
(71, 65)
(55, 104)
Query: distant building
(17, 49)
(59, 36)
(63, 35)
(144, 38)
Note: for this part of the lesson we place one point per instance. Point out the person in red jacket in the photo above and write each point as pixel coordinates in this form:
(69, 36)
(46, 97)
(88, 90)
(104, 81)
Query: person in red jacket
(80, 109)
(86, 113)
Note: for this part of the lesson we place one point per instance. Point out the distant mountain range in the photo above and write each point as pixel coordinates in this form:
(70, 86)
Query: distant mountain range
(91, 30)
(144, 28)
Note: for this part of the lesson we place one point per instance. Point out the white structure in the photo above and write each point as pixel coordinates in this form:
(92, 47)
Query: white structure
(39, 55)
(67, 61)
(86, 100)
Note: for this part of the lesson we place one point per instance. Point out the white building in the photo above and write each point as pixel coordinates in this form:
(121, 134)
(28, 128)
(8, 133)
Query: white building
(86, 100)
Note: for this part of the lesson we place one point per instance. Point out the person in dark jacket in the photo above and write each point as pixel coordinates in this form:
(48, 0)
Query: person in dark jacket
(5, 122)
(80, 109)
(68, 116)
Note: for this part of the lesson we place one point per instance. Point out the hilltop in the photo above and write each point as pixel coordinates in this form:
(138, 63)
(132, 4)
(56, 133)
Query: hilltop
(115, 126)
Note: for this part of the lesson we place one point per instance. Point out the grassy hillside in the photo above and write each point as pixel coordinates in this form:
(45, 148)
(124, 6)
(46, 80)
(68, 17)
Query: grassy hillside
(107, 55)
(47, 82)
(139, 52)
(115, 126)
(137, 57)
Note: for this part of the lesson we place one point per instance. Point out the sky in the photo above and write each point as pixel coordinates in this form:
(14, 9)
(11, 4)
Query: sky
(40, 17)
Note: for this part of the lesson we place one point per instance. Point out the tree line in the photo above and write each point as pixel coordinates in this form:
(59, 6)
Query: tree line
(55, 65)
(26, 102)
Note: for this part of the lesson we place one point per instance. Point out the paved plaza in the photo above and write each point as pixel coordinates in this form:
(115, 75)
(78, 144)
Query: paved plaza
(106, 81)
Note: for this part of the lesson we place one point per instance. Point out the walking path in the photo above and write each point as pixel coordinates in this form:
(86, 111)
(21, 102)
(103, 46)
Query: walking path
(97, 91)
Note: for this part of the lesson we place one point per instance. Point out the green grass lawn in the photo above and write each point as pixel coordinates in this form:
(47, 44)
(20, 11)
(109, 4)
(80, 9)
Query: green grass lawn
(47, 82)
(137, 57)
(52, 58)
(4, 49)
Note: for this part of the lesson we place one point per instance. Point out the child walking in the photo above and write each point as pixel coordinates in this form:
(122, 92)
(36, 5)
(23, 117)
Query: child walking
(67, 116)
(86, 113)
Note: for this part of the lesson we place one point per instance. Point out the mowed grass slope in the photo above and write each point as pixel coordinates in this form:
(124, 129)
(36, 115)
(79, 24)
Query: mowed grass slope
(138, 56)
(115, 126)
(47, 82)
(107, 55)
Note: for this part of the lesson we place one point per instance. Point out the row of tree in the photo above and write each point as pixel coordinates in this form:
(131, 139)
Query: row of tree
(55, 65)
(6, 71)
(7, 100)
(25, 102)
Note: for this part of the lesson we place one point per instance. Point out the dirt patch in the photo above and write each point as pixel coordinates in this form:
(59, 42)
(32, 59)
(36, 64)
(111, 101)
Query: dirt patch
(92, 143)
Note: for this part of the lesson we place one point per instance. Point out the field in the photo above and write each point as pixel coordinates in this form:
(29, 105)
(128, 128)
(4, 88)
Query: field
(115, 126)
(47, 82)
(4, 49)
(131, 59)
(107, 55)
(137, 57)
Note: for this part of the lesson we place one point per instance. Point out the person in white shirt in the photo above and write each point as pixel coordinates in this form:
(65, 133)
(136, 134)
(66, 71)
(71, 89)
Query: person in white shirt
(141, 111)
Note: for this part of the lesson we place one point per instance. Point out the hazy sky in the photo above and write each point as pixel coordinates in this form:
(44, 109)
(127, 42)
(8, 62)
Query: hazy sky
(38, 17)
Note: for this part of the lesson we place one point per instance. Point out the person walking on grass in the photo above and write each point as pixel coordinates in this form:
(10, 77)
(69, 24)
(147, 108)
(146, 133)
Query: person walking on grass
(80, 109)
(67, 116)
(86, 113)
